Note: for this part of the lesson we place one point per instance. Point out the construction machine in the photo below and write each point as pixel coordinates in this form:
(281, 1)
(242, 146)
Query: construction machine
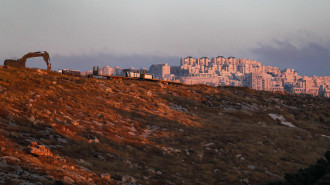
(21, 62)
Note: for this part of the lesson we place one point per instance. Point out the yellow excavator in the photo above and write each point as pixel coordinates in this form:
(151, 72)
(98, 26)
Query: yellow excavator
(21, 62)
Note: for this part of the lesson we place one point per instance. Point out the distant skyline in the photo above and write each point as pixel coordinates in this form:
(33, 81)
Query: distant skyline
(81, 33)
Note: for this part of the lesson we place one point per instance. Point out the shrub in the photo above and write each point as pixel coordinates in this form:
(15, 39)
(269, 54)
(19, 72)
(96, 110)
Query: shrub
(310, 175)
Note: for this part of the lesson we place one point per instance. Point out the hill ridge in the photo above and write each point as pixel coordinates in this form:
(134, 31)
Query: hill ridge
(75, 130)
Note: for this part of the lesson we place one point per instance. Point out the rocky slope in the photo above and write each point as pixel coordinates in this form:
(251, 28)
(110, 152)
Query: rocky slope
(57, 129)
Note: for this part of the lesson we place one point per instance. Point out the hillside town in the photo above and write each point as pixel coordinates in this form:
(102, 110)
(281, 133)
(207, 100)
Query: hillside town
(221, 71)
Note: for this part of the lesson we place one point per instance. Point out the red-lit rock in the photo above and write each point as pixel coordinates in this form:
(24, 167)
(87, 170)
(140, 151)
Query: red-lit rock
(39, 150)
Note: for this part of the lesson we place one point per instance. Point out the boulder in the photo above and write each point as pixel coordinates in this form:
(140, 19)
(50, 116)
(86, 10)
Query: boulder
(39, 150)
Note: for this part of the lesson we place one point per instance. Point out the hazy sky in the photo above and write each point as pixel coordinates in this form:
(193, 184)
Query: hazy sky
(81, 33)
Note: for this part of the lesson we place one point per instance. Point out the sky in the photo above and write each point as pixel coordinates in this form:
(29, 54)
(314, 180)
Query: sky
(79, 34)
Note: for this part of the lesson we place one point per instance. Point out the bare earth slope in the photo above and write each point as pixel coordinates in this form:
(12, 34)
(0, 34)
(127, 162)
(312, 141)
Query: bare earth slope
(57, 129)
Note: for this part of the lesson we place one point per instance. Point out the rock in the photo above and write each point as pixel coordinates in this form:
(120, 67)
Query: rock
(75, 123)
(59, 158)
(32, 119)
(325, 136)
(238, 156)
(152, 170)
(272, 174)
(209, 144)
(179, 108)
(149, 93)
(97, 123)
(261, 124)
(200, 155)
(94, 141)
(170, 150)
(2, 149)
(40, 72)
(100, 157)
(129, 163)
(252, 167)
(77, 178)
(39, 150)
(48, 112)
(34, 143)
(62, 140)
(245, 180)
(282, 120)
(109, 90)
(105, 176)
(128, 179)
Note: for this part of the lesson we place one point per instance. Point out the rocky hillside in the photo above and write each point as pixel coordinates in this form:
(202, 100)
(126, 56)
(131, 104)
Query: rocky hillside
(57, 129)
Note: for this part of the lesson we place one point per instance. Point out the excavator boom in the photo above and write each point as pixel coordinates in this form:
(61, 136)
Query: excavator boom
(21, 62)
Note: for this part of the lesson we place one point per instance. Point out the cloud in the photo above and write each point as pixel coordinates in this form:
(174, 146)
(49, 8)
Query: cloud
(86, 62)
(309, 59)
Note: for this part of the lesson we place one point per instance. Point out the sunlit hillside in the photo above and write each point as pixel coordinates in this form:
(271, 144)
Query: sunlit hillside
(58, 129)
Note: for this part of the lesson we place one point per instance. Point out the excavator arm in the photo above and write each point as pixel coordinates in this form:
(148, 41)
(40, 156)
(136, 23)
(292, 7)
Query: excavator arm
(43, 54)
